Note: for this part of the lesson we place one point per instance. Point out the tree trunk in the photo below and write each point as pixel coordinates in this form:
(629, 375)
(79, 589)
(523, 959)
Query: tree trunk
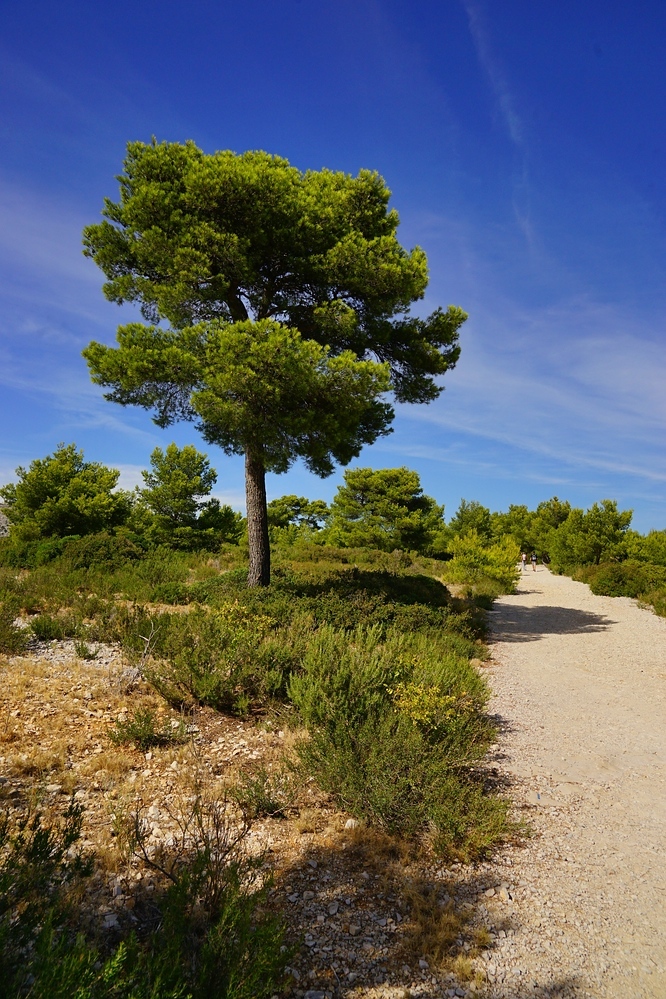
(257, 521)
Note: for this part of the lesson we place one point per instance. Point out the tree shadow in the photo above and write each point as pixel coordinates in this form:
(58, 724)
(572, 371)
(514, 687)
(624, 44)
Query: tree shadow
(360, 916)
(516, 623)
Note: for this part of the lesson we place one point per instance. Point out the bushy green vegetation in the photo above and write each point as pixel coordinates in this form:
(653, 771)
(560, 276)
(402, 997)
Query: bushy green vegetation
(64, 495)
(12, 638)
(489, 564)
(64, 504)
(380, 621)
(383, 509)
(208, 942)
(596, 546)
(143, 731)
(395, 722)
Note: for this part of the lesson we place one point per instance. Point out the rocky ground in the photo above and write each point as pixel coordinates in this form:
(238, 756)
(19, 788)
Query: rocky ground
(366, 916)
(574, 910)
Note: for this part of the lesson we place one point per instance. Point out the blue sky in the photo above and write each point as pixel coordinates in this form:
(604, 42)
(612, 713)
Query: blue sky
(524, 144)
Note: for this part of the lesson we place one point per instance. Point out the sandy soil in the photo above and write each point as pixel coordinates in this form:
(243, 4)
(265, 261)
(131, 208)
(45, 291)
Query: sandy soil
(579, 687)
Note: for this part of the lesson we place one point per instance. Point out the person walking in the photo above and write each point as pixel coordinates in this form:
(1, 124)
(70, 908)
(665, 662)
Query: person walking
(523, 559)
(533, 560)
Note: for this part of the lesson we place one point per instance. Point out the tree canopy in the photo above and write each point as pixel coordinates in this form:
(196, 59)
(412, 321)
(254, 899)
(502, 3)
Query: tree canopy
(63, 495)
(384, 508)
(286, 295)
(177, 483)
(471, 516)
(587, 538)
(297, 511)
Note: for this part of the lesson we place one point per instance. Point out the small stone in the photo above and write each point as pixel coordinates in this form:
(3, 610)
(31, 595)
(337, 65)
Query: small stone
(54, 788)
(312, 994)
(313, 865)
(489, 892)
(307, 895)
(294, 897)
(351, 824)
(354, 929)
(423, 964)
(333, 908)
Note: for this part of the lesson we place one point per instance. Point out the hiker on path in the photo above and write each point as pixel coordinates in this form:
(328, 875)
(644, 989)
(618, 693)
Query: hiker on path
(523, 559)
(533, 559)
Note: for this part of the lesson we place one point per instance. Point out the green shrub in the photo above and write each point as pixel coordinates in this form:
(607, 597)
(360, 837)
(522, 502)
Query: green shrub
(211, 942)
(84, 651)
(170, 593)
(394, 724)
(12, 638)
(657, 600)
(622, 579)
(22, 554)
(142, 731)
(228, 659)
(37, 863)
(475, 562)
(262, 793)
(109, 551)
(46, 627)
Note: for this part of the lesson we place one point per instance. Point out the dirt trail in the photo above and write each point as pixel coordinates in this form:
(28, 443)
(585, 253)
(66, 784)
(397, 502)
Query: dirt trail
(579, 684)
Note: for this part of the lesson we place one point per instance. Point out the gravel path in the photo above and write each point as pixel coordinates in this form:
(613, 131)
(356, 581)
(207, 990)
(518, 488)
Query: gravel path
(579, 685)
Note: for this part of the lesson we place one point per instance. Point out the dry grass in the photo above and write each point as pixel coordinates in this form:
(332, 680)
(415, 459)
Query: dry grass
(377, 851)
(56, 713)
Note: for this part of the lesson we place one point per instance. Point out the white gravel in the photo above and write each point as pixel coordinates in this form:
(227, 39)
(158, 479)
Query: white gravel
(579, 684)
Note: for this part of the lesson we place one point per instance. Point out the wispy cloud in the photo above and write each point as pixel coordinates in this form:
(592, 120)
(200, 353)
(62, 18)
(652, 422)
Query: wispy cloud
(490, 64)
(44, 236)
(467, 459)
(78, 402)
(505, 103)
(592, 401)
(20, 77)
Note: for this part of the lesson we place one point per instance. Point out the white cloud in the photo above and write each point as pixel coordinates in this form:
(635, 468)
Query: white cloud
(592, 400)
(489, 63)
(42, 236)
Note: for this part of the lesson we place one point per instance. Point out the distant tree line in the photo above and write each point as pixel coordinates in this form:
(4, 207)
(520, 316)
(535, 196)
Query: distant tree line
(64, 496)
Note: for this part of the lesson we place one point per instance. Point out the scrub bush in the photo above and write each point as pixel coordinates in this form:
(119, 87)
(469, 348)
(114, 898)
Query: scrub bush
(143, 731)
(208, 942)
(395, 726)
(228, 659)
(47, 627)
(12, 639)
(622, 579)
